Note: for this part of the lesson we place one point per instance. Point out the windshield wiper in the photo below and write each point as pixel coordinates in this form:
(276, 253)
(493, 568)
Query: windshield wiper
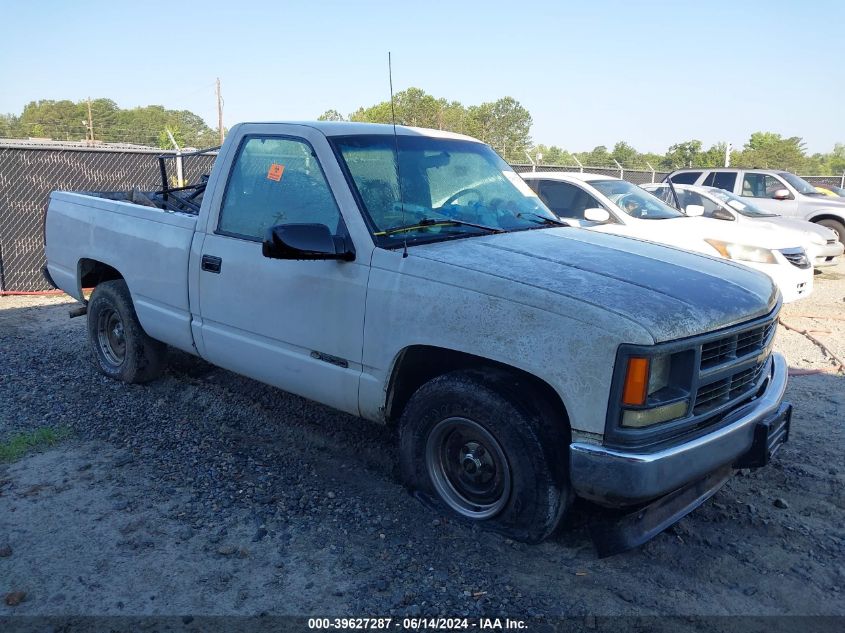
(541, 219)
(429, 222)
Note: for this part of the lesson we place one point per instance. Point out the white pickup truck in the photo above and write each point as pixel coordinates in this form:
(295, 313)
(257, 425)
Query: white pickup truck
(413, 278)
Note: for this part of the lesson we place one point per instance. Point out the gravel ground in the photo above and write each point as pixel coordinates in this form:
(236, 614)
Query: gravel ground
(208, 493)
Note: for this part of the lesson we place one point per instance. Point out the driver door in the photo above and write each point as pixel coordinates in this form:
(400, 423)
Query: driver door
(297, 325)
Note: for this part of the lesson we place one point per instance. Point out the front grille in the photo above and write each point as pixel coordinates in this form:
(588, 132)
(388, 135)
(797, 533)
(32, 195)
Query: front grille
(832, 240)
(720, 383)
(736, 345)
(796, 257)
(723, 391)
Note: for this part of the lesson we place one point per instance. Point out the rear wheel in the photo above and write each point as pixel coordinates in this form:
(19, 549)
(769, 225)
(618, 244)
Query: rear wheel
(120, 347)
(476, 448)
(836, 226)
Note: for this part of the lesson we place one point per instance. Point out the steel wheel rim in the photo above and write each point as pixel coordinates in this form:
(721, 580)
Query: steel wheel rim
(111, 336)
(468, 468)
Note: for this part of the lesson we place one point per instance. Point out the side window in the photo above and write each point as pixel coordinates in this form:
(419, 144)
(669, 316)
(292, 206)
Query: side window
(760, 185)
(565, 199)
(275, 181)
(534, 184)
(686, 177)
(720, 179)
(558, 196)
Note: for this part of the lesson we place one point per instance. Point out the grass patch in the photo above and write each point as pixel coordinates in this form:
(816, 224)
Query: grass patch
(20, 444)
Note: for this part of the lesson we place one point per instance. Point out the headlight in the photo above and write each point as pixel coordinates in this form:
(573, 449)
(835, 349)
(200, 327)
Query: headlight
(655, 388)
(743, 252)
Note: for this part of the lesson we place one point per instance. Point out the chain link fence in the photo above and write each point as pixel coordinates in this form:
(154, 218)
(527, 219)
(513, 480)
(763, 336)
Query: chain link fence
(636, 176)
(27, 176)
(29, 172)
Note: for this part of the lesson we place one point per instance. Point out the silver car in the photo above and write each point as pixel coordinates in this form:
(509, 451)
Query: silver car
(821, 243)
(772, 190)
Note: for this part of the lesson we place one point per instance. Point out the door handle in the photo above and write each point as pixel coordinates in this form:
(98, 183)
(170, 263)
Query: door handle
(211, 263)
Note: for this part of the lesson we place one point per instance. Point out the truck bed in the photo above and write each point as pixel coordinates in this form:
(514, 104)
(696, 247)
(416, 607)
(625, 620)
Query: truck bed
(182, 200)
(151, 247)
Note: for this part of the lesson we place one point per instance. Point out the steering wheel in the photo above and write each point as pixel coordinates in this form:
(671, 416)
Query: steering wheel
(463, 192)
(640, 210)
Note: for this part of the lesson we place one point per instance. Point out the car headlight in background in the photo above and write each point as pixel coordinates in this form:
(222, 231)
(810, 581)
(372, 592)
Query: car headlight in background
(743, 252)
(655, 389)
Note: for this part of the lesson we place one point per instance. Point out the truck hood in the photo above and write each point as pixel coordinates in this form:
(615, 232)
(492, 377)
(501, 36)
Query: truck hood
(670, 293)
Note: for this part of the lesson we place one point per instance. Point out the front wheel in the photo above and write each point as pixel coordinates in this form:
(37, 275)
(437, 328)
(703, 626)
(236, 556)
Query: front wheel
(468, 441)
(121, 348)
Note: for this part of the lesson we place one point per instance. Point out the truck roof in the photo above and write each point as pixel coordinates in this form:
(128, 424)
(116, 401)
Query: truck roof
(351, 128)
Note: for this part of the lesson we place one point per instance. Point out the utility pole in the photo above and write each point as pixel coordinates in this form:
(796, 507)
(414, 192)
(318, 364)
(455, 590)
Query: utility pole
(728, 147)
(219, 111)
(90, 121)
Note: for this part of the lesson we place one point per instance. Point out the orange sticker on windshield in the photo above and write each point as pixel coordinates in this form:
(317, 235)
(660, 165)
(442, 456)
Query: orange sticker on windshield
(275, 172)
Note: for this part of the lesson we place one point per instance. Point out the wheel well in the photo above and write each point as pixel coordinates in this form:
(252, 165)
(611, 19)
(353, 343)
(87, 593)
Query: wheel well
(828, 216)
(92, 272)
(418, 364)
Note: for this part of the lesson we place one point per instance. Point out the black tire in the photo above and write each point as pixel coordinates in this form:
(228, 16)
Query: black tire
(121, 348)
(836, 226)
(532, 438)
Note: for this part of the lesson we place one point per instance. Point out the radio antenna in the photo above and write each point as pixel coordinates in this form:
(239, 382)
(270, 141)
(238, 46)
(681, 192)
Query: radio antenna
(396, 149)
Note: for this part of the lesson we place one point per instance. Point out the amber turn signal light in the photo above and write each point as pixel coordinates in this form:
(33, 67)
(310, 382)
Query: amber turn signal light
(636, 382)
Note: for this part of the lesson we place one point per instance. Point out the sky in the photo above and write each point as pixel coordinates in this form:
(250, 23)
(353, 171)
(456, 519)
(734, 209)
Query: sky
(650, 73)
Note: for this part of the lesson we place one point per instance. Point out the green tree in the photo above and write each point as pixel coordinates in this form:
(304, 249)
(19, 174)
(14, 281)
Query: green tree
(682, 155)
(413, 107)
(598, 157)
(164, 138)
(836, 160)
(331, 115)
(624, 154)
(66, 120)
(771, 150)
(8, 125)
(551, 155)
(503, 124)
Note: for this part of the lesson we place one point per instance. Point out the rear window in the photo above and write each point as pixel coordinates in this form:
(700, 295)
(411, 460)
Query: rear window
(721, 180)
(686, 177)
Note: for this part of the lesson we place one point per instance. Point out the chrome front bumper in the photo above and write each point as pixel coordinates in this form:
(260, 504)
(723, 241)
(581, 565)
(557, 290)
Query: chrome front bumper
(618, 477)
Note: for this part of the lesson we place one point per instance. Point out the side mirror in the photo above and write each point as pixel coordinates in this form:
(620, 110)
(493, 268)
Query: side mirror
(305, 241)
(782, 194)
(596, 214)
(722, 214)
(694, 210)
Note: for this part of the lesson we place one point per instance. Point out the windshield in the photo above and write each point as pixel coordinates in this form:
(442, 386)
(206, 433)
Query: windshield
(634, 201)
(442, 179)
(800, 185)
(739, 205)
